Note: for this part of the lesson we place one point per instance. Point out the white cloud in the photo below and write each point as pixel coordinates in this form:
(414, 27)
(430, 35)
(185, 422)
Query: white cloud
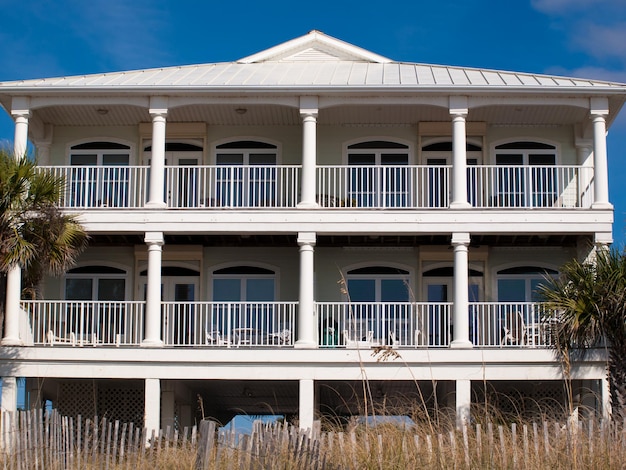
(596, 28)
(602, 41)
(574, 7)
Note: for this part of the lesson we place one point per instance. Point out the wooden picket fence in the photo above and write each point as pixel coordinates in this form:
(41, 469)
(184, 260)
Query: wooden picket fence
(38, 440)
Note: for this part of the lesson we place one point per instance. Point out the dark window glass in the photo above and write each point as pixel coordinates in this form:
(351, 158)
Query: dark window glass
(528, 270)
(96, 270)
(243, 270)
(246, 144)
(378, 270)
(447, 147)
(378, 144)
(100, 146)
(523, 145)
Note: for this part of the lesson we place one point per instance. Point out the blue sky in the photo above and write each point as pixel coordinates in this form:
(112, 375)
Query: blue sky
(583, 38)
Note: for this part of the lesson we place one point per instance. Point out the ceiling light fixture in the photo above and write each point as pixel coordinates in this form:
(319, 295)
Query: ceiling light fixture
(241, 110)
(102, 111)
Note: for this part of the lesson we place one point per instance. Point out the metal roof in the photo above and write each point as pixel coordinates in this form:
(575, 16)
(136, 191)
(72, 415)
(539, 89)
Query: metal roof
(313, 61)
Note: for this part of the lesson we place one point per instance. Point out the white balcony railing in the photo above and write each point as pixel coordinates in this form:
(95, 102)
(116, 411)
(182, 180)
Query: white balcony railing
(232, 186)
(516, 324)
(407, 187)
(81, 323)
(394, 324)
(499, 186)
(229, 324)
(273, 324)
(367, 187)
(88, 187)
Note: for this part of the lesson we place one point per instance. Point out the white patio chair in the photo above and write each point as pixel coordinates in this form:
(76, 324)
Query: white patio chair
(358, 343)
(513, 329)
(53, 339)
(282, 337)
(214, 338)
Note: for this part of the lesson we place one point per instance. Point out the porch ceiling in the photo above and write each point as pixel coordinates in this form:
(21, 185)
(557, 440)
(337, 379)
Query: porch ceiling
(275, 115)
(513, 240)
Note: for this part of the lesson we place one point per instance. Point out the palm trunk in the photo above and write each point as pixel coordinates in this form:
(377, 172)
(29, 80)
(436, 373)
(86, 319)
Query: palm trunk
(617, 380)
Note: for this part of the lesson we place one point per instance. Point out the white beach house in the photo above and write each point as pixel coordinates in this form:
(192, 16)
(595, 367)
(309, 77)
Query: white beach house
(259, 227)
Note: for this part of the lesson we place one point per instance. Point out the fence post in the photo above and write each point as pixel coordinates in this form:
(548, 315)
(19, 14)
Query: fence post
(205, 444)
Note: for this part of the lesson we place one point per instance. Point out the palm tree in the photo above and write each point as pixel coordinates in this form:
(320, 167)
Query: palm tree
(34, 233)
(588, 304)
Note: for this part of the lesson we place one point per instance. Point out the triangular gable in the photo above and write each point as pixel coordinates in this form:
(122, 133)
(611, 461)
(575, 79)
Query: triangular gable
(314, 46)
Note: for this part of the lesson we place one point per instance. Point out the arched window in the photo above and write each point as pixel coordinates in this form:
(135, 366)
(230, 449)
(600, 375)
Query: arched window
(246, 174)
(378, 175)
(519, 284)
(105, 321)
(244, 283)
(99, 175)
(95, 283)
(378, 284)
(527, 177)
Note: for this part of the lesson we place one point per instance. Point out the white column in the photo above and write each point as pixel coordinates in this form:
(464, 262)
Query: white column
(152, 338)
(9, 394)
(463, 402)
(606, 398)
(152, 405)
(12, 308)
(458, 110)
(306, 406)
(20, 110)
(600, 164)
(308, 112)
(158, 111)
(306, 305)
(460, 308)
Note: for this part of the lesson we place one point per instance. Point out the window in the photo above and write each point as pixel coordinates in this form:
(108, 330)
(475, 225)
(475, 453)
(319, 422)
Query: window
(379, 297)
(520, 284)
(99, 175)
(528, 177)
(246, 174)
(244, 298)
(105, 319)
(243, 283)
(379, 174)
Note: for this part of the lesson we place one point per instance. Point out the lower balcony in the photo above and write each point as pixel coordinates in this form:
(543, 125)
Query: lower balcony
(274, 324)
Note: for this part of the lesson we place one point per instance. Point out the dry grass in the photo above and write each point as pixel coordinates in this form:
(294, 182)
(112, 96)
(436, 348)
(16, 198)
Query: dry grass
(491, 443)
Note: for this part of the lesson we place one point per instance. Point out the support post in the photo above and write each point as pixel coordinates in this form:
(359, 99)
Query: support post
(306, 409)
(9, 394)
(11, 335)
(605, 390)
(463, 402)
(306, 305)
(152, 406)
(460, 308)
(308, 112)
(152, 338)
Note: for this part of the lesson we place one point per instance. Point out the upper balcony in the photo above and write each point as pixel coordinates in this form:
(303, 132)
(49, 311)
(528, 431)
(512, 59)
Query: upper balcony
(337, 187)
